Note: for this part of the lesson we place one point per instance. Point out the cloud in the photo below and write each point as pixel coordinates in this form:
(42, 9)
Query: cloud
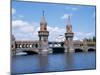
(82, 35)
(17, 15)
(19, 23)
(27, 29)
(56, 33)
(65, 16)
(72, 8)
(24, 26)
(13, 11)
(24, 30)
(20, 16)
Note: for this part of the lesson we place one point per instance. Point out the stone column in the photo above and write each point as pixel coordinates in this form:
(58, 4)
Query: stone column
(69, 42)
(43, 42)
(13, 48)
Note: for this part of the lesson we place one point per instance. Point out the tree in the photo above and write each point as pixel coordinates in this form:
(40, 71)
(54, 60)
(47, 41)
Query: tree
(94, 38)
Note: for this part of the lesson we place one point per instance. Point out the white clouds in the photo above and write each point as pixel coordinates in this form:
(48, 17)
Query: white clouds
(89, 34)
(19, 23)
(13, 11)
(72, 8)
(27, 29)
(24, 30)
(15, 14)
(55, 32)
(20, 16)
(82, 35)
(65, 16)
(22, 26)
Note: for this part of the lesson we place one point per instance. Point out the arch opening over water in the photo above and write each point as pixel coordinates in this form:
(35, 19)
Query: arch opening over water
(57, 50)
(30, 52)
(91, 50)
(78, 50)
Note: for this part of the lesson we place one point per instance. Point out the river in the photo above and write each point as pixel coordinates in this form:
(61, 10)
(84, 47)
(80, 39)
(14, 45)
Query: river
(53, 62)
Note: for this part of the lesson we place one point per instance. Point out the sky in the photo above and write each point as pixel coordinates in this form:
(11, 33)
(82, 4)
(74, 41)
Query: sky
(26, 18)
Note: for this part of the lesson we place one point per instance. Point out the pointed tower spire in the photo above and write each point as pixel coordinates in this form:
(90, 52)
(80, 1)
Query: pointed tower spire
(12, 37)
(68, 20)
(69, 26)
(43, 21)
(43, 12)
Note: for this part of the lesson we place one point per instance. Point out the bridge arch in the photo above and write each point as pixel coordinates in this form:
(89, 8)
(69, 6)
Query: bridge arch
(58, 50)
(78, 50)
(30, 52)
(27, 51)
(36, 45)
(91, 49)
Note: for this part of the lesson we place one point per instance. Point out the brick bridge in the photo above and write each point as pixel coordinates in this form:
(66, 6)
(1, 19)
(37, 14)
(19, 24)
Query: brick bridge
(34, 46)
(43, 46)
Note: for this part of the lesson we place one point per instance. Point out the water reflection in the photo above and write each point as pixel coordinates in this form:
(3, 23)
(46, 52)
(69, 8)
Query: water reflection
(43, 62)
(53, 62)
(69, 60)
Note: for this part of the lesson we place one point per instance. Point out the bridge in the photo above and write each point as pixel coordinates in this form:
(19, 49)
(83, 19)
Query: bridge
(43, 46)
(53, 47)
(84, 46)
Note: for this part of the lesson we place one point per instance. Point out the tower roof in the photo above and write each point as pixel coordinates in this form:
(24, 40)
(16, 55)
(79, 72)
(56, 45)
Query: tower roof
(68, 20)
(69, 26)
(12, 37)
(43, 21)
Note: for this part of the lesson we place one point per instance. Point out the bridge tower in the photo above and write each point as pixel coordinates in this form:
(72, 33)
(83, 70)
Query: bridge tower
(13, 50)
(43, 36)
(69, 37)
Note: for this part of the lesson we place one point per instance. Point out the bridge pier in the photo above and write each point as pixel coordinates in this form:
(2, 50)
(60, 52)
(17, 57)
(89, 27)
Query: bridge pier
(43, 49)
(85, 47)
(13, 52)
(69, 50)
(13, 46)
(43, 36)
(69, 37)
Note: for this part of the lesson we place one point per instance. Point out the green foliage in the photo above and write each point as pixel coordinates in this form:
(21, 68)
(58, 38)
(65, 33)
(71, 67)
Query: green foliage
(91, 39)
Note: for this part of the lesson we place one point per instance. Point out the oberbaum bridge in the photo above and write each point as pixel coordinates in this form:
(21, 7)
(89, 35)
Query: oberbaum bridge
(43, 46)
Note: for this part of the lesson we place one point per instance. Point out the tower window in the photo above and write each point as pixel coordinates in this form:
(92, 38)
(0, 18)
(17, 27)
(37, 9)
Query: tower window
(45, 28)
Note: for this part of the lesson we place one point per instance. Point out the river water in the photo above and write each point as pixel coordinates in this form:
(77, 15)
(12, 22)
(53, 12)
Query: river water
(53, 62)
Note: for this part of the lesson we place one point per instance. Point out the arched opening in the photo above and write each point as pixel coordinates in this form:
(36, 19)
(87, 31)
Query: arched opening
(91, 49)
(12, 46)
(78, 50)
(36, 45)
(62, 44)
(58, 50)
(30, 52)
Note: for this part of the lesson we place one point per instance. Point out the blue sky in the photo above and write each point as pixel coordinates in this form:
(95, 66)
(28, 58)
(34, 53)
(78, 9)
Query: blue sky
(26, 18)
